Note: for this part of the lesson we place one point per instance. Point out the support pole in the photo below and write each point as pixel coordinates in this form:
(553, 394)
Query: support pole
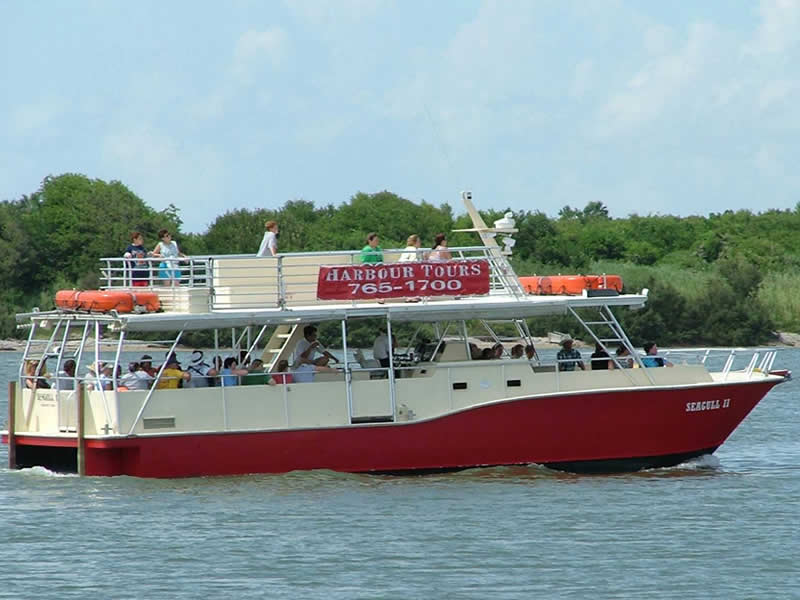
(80, 430)
(12, 437)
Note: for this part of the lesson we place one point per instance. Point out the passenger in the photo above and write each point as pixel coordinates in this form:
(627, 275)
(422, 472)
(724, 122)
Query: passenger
(566, 353)
(214, 373)
(201, 371)
(172, 377)
(487, 354)
(100, 376)
(474, 351)
(282, 376)
(269, 243)
(624, 357)
(600, 359)
(517, 351)
(411, 251)
(140, 379)
(381, 348)
(440, 253)
(256, 374)
(140, 271)
(305, 372)
(372, 252)
(31, 371)
(231, 372)
(244, 359)
(652, 359)
(308, 347)
(530, 352)
(146, 365)
(66, 377)
(497, 350)
(167, 249)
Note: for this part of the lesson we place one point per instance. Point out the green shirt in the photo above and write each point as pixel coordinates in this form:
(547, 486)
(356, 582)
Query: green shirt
(371, 255)
(256, 378)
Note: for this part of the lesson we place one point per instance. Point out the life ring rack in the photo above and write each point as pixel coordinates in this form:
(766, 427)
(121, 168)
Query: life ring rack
(570, 285)
(107, 300)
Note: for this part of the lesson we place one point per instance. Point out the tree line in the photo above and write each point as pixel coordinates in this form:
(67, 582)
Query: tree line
(726, 278)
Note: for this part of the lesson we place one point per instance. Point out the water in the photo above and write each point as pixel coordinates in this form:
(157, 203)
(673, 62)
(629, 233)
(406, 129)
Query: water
(723, 527)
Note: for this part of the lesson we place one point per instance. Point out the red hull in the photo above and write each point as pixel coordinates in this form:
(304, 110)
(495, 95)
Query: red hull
(638, 428)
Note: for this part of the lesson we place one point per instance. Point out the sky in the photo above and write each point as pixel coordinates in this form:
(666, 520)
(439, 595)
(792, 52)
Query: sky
(668, 107)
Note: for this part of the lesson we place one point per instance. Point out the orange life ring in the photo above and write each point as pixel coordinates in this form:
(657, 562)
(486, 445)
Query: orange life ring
(570, 285)
(106, 300)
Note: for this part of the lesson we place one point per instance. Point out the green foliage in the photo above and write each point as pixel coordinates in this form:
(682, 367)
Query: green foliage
(728, 278)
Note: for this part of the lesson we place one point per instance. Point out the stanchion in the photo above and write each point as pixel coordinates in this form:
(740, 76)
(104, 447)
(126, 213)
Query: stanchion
(80, 431)
(12, 413)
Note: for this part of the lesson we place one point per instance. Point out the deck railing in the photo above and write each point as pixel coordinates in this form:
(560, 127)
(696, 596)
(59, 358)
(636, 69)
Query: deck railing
(250, 282)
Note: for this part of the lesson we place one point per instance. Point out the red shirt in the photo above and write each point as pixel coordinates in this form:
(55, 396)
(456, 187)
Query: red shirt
(283, 378)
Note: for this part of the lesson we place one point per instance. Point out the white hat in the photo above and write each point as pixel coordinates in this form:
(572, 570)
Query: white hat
(565, 339)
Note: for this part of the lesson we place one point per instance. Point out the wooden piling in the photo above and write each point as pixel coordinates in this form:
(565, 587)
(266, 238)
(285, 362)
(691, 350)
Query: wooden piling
(80, 430)
(12, 414)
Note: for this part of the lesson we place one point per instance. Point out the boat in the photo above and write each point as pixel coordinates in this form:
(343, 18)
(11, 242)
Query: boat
(431, 405)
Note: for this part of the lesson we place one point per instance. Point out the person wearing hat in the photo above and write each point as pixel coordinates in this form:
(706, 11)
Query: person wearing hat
(200, 370)
(568, 357)
(172, 376)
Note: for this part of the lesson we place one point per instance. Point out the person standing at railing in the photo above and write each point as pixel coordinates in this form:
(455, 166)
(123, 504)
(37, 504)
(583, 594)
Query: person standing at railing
(167, 249)
(136, 251)
(440, 252)
(269, 243)
(411, 251)
(372, 252)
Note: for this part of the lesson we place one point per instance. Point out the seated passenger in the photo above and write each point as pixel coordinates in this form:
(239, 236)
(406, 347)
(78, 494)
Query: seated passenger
(66, 377)
(487, 354)
(201, 371)
(530, 352)
(497, 350)
(474, 351)
(230, 372)
(517, 351)
(600, 359)
(256, 374)
(282, 375)
(652, 359)
(624, 357)
(305, 372)
(172, 377)
(566, 353)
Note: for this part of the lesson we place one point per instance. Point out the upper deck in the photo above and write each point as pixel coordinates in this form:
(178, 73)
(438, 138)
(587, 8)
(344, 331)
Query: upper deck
(222, 291)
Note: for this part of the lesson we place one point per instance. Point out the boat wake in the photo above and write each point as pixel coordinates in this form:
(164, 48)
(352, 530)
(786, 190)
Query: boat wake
(42, 472)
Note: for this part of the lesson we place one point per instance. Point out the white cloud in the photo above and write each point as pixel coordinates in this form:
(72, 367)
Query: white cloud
(659, 82)
(255, 49)
(779, 29)
(34, 118)
(326, 12)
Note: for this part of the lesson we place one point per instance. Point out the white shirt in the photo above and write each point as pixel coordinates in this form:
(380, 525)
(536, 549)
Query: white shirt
(410, 254)
(380, 349)
(268, 242)
(138, 380)
(199, 373)
(301, 347)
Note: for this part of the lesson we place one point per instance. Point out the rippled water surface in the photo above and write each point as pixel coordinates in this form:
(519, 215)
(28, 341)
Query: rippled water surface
(723, 527)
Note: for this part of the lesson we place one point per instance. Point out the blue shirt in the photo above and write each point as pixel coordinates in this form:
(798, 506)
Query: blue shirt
(228, 378)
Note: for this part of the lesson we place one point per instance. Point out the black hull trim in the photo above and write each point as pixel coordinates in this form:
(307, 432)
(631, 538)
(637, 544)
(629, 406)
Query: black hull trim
(591, 467)
(627, 465)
